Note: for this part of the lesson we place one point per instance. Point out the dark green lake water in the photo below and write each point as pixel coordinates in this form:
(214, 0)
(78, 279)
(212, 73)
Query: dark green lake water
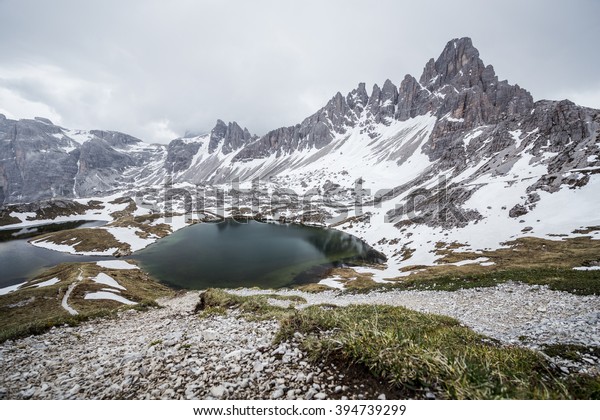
(235, 254)
(20, 261)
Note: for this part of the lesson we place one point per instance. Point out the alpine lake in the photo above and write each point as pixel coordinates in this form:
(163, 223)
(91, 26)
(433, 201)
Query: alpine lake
(247, 253)
(226, 254)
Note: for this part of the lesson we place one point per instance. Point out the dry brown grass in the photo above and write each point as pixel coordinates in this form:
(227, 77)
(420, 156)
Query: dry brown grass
(86, 240)
(32, 310)
(99, 239)
(7, 219)
(523, 253)
(587, 230)
(127, 211)
(313, 288)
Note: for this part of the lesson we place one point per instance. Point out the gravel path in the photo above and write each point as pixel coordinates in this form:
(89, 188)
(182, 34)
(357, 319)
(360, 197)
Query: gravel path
(510, 312)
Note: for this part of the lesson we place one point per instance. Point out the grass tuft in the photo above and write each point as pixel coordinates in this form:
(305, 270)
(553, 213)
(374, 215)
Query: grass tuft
(257, 307)
(416, 352)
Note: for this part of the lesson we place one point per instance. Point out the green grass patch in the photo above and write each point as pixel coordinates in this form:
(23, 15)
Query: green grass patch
(255, 307)
(414, 352)
(563, 279)
(14, 331)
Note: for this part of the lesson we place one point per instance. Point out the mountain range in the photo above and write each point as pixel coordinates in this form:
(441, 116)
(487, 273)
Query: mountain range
(456, 138)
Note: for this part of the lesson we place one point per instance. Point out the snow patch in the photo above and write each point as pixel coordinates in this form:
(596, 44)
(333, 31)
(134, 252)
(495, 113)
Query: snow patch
(516, 135)
(332, 282)
(117, 264)
(9, 289)
(481, 260)
(47, 282)
(127, 235)
(471, 136)
(108, 296)
(487, 263)
(70, 248)
(24, 216)
(107, 280)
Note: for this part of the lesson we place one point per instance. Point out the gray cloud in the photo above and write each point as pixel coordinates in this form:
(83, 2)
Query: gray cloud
(155, 69)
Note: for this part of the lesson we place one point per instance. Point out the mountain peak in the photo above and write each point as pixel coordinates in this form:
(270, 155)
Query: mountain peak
(357, 99)
(457, 59)
(219, 123)
(232, 135)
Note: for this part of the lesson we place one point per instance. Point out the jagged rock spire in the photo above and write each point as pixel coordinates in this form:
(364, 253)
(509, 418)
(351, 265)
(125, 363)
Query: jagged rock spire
(458, 58)
(232, 135)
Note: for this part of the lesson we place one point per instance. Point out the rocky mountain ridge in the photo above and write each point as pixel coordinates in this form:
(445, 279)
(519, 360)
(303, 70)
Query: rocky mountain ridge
(458, 120)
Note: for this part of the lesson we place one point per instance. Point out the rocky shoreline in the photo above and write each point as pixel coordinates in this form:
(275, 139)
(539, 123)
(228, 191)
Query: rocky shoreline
(173, 353)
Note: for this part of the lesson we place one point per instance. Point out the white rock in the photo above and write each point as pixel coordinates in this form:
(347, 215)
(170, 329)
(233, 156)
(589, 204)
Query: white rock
(310, 394)
(217, 391)
(210, 335)
(278, 393)
(236, 354)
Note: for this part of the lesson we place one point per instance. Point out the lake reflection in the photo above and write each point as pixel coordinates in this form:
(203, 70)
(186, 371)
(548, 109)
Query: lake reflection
(234, 254)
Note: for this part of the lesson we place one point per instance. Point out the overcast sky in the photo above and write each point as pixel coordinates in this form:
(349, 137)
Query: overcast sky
(155, 69)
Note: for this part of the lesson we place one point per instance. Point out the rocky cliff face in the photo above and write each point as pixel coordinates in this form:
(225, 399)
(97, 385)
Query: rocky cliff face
(35, 161)
(180, 153)
(40, 160)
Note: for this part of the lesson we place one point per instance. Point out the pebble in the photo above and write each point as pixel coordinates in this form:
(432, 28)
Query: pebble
(217, 391)
(278, 393)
